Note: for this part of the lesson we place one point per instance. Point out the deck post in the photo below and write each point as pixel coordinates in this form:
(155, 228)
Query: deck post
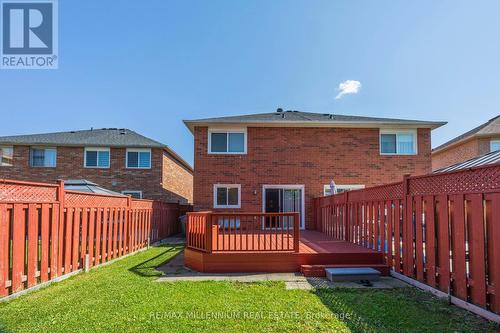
(296, 231)
(345, 217)
(208, 232)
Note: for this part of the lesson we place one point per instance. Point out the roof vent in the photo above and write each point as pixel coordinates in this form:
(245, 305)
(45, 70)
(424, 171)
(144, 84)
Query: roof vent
(279, 110)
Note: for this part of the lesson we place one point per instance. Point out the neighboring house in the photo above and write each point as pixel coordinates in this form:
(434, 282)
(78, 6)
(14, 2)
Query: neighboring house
(280, 161)
(483, 160)
(120, 160)
(478, 141)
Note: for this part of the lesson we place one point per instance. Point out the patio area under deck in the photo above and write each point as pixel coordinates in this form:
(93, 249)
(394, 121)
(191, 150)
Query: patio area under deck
(245, 247)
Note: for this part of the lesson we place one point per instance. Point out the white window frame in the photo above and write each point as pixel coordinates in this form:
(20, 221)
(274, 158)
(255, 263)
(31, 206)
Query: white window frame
(96, 149)
(137, 150)
(350, 187)
(40, 148)
(492, 142)
(242, 130)
(288, 187)
(126, 192)
(396, 132)
(1, 156)
(228, 186)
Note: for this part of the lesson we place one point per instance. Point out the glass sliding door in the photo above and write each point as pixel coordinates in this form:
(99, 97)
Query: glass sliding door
(282, 200)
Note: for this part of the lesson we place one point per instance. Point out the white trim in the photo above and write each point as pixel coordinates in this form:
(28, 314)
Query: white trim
(227, 131)
(216, 186)
(137, 150)
(349, 187)
(396, 132)
(125, 192)
(287, 187)
(98, 149)
(492, 142)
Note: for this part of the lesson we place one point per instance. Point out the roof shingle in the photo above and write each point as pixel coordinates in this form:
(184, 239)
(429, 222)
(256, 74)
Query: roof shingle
(307, 118)
(109, 137)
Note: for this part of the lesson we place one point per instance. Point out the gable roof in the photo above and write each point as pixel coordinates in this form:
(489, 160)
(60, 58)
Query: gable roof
(491, 127)
(104, 137)
(486, 159)
(290, 118)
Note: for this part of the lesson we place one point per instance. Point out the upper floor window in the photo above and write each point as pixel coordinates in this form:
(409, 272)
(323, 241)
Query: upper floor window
(494, 145)
(43, 157)
(227, 141)
(341, 188)
(96, 158)
(138, 158)
(398, 142)
(227, 196)
(6, 155)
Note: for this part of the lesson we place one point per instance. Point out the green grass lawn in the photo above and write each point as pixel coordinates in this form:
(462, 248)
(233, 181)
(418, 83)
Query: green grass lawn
(124, 297)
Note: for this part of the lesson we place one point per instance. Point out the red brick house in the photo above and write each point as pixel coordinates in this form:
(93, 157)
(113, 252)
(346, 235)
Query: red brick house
(476, 142)
(120, 160)
(280, 161)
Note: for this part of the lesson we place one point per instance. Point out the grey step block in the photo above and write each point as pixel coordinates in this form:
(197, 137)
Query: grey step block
(352, 274)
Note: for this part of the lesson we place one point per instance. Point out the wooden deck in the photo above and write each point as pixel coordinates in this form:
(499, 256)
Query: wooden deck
(244, 254)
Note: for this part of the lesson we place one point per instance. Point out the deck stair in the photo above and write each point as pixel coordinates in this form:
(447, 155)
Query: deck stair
(320, 270)
(352, 274)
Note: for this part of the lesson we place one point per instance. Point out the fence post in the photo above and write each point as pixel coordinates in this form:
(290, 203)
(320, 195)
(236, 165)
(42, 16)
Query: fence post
(407, 221)
(59, 254)
(296, 232)
(208, 232)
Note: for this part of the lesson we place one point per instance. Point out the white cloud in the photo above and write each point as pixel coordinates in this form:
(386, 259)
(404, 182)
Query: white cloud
(348, 87)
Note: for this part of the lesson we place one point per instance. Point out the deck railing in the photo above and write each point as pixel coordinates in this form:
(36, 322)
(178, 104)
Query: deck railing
(243, 232)
(47, 232)
(440, 229)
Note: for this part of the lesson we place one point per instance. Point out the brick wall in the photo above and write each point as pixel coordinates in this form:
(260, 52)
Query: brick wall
(305, 156)
(462, 152)
(177, 180)
(116, 178)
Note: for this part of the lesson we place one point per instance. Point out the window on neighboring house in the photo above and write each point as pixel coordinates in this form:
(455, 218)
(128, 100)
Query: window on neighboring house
(6, 155)
(43, 157)
(138, 158)
(494, 145)
(227, 141)
(133, 194)
(398, 142)
(341, 188)
(96, 158)
(227, 196)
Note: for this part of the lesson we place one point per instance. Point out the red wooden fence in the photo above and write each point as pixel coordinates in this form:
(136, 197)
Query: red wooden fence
(440, 229)
(242, 232)
(46, 232)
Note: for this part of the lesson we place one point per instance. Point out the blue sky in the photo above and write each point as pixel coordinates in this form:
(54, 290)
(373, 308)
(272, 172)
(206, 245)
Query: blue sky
(146, 65)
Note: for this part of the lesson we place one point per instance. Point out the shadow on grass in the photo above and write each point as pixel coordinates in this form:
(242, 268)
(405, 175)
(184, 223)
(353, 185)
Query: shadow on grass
(399, 310)
(148, 268)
